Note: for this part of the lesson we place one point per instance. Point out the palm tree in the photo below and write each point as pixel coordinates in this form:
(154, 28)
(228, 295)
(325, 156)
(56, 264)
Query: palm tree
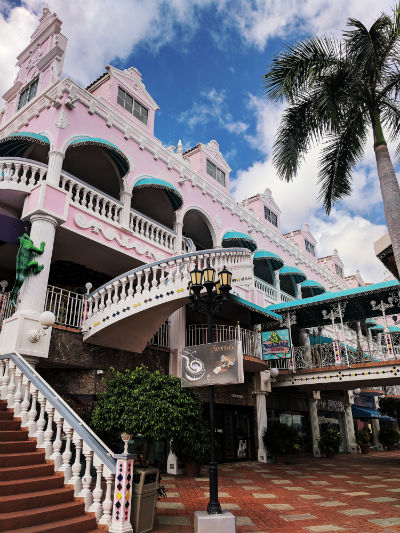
(338, 91)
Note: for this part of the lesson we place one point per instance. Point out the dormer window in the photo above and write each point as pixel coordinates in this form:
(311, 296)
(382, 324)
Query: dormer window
(270, 216)
(132, 105)
(339, 271)
(215, 172)
(310, 248)
(28, 93)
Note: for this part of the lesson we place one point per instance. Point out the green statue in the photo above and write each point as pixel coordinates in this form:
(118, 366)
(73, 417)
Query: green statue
(24, 263)
(274, 337)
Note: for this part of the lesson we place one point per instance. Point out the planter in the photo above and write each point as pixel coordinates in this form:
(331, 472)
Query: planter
(365, 448)
(192, 469)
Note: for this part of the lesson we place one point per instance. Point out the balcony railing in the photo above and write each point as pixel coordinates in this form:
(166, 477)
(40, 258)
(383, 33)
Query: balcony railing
(22, 172)
(198, 334)
(268, 290)
(285, 297)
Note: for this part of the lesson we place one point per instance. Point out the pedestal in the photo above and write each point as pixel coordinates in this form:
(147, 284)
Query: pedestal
(214, 523)
(175, 465)
(14, 336)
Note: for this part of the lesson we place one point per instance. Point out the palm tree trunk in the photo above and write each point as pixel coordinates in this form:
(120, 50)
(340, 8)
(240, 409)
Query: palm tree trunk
(390, 191)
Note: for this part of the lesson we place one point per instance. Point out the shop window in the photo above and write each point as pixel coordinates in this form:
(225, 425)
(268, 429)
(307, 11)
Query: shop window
(310, 248)
(132, 105)
(270, 216)
(339, 271)
(215, 172)
(28, 93)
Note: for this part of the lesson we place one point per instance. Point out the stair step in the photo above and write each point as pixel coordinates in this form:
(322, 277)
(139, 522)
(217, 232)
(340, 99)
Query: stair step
(79, 524)
(17, 446)
(42, 515)
(22, 459)
(6, 425)
(26, 471)
(3, 405)
(20, 486)
(31, 500)
(6, 415)
(21, 434)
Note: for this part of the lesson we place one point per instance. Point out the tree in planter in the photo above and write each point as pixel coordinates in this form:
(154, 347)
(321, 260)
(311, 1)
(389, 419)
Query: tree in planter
(364, 440)
(388, 437)
(193, 450)
(281, 439)
(150, 404)
(330, 441)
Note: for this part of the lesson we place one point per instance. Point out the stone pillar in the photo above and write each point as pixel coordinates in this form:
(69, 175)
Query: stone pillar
(277, 285)
(126, 198)
(376, 427)
(313, 398)
(305, 341)
(351, 443)
(32, 295)
(262, 386)
(54, 166)
(122, 504)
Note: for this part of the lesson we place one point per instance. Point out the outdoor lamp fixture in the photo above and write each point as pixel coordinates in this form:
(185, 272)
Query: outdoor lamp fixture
(382, 307)
(273, 374)
(46, 319)
(217, 290)
(357, 391)
(324, 313)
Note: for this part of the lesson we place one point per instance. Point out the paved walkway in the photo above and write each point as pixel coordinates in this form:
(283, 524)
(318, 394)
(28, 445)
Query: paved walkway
(356, 494)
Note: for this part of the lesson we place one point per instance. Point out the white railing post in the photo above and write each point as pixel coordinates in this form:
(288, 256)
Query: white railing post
(86, 493)
(121, 516)
(107, 503)
(48, 434)
(75, 480)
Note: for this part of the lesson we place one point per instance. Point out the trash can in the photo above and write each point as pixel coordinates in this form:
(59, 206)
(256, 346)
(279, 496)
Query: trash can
(144, 483)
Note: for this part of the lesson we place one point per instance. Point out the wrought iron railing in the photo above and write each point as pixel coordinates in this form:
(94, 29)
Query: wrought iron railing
(161, 337)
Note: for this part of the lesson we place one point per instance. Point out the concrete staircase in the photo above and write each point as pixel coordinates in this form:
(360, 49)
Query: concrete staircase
(33, 498)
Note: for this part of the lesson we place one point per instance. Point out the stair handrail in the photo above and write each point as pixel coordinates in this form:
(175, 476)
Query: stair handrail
(245, 251)
(98, 447)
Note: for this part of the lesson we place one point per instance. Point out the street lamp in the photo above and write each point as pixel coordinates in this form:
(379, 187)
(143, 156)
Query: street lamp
(382, 307)
(216, 294)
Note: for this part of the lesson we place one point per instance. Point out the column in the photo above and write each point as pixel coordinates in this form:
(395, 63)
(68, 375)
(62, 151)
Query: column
(122, 505)
(178, 228)
(261, 387)
(351, 443)
(376, 427)
(315, 433)
(126, 199)
(32, 295)
(54, 166)
(305, 342)
(277, 285)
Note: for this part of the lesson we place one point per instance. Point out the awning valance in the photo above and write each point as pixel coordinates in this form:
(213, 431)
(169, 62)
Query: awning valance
(15, 144)
(366, 412)
(259, 314)
(236, 238)
(174, 196)
(113, 151)
(295, 273)
(312, 288)
(269, 257)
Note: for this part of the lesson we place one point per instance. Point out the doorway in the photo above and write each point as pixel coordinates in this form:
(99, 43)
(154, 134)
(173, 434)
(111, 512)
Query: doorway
(234, 434)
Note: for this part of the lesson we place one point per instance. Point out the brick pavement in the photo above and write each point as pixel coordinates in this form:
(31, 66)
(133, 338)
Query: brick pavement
(350, 493)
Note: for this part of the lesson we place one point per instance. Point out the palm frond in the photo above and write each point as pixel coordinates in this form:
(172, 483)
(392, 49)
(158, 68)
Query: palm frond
(340, 155)
(298, 65)
(390, 119)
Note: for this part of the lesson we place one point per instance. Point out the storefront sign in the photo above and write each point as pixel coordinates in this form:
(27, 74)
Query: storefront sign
(276, 344)
(216, 363)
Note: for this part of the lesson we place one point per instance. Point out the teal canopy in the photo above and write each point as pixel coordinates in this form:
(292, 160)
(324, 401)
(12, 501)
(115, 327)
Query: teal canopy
(15, 144)
(377, 327)
(295, 273)
(174, 196)
(269, 257)
(236, 238)
(365, 412)
(113, 151)
(312, 288)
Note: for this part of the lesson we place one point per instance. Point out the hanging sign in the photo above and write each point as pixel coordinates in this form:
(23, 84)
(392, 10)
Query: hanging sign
(216, 363)
(276, 344)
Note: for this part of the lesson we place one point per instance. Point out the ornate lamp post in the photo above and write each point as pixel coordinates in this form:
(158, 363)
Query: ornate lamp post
(217, 291)
(382, 307)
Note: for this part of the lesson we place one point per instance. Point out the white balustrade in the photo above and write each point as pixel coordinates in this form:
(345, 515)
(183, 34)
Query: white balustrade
(151, 230)
(6, 308)
(24, 388)
(22, 172)
(285, 297)
(268, 290)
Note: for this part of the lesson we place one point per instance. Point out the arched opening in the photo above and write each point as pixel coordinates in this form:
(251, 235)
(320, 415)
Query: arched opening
(27, 145)
(288, 285)
(265, 265)
(196, 227)
(93, 165)
(264, 271)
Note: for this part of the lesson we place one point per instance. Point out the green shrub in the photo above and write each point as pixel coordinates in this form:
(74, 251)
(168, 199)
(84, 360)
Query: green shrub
(363, 437)
(195, 448)
(330, 441)
(388, 436)
(280, 439)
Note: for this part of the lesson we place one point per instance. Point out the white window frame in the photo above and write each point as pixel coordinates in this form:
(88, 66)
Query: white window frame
(136, 108)
(270, 216)
(215, 172)
(27, 89)
(310, 248)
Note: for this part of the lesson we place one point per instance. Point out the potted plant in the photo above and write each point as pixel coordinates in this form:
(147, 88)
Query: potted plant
(330, 441)
(364, 440)
(193, 449)
(281, 440)
(388, 437)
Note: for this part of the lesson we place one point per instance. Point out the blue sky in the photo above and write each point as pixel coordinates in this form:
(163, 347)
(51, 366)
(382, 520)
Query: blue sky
(203, 61)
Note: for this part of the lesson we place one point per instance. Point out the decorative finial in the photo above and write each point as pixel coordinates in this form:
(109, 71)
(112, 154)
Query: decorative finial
(179, 148)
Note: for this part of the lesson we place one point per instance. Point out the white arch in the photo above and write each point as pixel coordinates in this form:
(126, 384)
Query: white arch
(206, 218)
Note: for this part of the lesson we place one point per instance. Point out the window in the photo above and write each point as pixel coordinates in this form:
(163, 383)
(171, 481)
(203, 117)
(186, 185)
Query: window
(270, 216)
(310, 247)
(215, 172)
(132, 105)
(28, 93)
(339, 271)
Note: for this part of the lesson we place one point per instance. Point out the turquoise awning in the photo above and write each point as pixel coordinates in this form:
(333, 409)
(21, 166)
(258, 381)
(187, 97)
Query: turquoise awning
(236, 238)
(269, 257)
(394, 329)
(295, 273)
(366, 412)
(312, 288)
(15, 144)
(378, 327)
(113, 151)
(174, 196)
(260, 313)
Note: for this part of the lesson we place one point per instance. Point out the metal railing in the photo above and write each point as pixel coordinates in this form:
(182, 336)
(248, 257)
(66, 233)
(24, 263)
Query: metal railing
(67, 306)
(6, 309)
(161, 337)
(251, 343)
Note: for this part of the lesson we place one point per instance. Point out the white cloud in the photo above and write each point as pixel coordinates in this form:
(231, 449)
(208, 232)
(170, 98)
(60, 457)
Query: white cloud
(211, 107)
